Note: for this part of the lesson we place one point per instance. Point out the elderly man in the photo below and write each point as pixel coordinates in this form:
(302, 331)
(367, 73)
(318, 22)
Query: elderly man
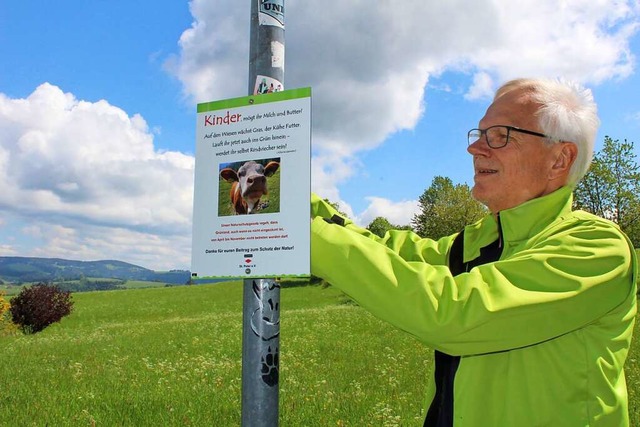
(531, 309)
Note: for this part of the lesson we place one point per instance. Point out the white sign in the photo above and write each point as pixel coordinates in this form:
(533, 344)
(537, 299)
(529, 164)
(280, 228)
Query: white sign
(252, 187)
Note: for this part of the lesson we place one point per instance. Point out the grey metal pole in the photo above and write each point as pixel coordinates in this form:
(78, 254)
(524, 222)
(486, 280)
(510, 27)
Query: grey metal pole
(261, 297)
(260, 352)
(266, 50)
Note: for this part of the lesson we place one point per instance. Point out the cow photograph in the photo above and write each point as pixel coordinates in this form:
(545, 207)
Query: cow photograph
(249, 187)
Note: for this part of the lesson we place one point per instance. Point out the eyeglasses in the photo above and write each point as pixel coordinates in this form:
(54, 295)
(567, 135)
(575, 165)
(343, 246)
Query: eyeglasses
(498, 136)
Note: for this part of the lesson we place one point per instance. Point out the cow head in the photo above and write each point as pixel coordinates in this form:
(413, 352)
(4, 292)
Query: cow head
(249, 184)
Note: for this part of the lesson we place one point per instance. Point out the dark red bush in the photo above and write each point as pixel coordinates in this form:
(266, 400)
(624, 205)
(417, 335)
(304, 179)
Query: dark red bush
(40, 305)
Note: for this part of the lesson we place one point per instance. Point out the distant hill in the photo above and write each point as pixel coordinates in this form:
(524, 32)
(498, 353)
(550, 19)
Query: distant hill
(26, 269)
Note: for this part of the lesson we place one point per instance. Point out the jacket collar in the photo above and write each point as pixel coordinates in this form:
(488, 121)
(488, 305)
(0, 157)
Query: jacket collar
(531, 217)
(518, 223)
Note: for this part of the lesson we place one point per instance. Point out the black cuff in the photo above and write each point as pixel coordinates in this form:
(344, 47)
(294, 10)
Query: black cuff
(336, 219)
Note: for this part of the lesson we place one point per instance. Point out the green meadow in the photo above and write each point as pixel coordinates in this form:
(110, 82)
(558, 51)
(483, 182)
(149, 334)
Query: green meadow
(172, 357)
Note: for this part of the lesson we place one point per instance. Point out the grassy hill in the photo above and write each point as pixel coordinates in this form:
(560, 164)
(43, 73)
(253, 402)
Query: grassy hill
(172, 357)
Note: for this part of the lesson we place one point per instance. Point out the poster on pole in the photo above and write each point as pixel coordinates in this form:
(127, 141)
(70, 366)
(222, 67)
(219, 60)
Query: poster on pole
(252, 187)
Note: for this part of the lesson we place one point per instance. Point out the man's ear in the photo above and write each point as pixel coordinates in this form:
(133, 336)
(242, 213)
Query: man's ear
(565, 154)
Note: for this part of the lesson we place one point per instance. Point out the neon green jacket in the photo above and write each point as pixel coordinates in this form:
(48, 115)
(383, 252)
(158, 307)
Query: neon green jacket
(542, 333)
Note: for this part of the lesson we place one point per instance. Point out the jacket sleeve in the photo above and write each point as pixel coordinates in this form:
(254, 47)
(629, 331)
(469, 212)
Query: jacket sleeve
(577, 275)
(404, 243)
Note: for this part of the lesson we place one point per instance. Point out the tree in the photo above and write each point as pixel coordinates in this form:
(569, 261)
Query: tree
(381, 225)
(336, 206)
(445, 209)
(38, 306)
(611, 187)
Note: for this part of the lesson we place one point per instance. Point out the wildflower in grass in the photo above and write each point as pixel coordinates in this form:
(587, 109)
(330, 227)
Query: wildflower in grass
(4, 305)
(6, 326)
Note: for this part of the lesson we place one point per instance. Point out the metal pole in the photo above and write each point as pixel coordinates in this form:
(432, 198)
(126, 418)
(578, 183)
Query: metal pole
(261, 297)
(260, 352)
(266, 50)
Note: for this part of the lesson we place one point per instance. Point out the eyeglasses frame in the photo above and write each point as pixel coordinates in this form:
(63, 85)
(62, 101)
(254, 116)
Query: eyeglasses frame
(509, 129)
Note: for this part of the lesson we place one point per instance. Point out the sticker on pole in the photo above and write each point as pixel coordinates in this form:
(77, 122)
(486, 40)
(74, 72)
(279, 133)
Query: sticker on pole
(265, 84)
(271, 12)
(252, 187)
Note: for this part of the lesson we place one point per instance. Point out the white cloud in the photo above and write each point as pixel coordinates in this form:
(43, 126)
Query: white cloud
(214, 52)
(94, 242)
(482, 87)
(7, 250)
(369, 64)
(397, 213)
(584, 41)
(82, 169)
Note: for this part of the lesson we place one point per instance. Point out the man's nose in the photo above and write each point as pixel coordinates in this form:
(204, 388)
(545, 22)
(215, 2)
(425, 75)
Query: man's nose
(479, 147)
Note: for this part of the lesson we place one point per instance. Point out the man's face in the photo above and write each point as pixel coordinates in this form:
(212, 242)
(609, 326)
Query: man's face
(520, 171)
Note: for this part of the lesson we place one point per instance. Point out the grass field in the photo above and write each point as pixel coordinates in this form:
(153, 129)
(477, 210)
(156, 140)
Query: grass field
(172, 357)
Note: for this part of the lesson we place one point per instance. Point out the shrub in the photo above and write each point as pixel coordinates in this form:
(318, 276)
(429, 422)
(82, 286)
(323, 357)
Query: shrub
(38, 306)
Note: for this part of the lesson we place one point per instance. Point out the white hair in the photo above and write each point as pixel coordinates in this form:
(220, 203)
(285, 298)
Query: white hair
(567, 112)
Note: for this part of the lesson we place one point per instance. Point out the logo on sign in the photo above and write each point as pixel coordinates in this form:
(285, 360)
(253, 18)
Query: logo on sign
(273, 8)
(248, 262)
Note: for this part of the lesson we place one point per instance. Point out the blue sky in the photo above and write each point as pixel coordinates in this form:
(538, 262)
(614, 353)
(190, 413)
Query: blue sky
(97, 104)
